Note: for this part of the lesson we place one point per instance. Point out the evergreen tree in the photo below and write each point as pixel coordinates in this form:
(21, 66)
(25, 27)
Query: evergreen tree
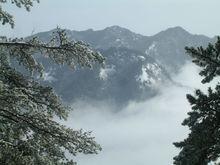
(28, 132)
(202, 145)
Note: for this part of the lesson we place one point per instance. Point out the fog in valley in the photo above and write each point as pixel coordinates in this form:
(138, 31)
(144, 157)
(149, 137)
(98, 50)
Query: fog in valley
(142, 132)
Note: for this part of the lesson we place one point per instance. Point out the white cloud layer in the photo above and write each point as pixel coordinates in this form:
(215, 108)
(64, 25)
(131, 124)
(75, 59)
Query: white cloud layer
(141, 133)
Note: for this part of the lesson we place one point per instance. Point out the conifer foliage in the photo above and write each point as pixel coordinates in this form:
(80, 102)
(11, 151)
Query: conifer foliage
(202, 145)
(28, 132)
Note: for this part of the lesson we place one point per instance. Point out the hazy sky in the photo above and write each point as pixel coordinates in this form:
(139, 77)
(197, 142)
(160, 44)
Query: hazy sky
(142, 16)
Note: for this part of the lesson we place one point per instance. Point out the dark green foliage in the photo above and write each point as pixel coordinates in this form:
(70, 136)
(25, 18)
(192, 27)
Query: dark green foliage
(202, 145)
(208, 59)
(29, 131)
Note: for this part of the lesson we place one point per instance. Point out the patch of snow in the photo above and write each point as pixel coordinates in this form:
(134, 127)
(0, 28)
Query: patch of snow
(150, 75)
(151, 48)
(154, 68)
(145, 78)
(49, 76)
(105, 72)
(142, 58)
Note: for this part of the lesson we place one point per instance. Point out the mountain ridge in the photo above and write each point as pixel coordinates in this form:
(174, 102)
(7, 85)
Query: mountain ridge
(124, 28)
(135, 64)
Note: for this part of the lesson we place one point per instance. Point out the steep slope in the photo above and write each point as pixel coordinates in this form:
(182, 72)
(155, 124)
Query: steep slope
(127, 75)
(167, 47)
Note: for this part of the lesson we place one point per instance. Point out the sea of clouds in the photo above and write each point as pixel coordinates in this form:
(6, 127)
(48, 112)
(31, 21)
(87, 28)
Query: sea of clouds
(142, 132)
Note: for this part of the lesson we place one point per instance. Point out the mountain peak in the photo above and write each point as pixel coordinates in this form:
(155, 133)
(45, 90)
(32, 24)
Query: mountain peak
(177, 29)
(173, 31)
(116, 28)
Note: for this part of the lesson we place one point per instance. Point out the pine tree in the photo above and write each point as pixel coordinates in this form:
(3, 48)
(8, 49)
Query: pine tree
(202, 145)
(28, 132)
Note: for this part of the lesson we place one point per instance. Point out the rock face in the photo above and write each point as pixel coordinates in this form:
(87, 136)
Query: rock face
(135, 64)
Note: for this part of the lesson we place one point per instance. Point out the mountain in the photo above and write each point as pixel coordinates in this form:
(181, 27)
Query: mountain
(135, 64)
(113, 36)
(128, 75)
(168, 47)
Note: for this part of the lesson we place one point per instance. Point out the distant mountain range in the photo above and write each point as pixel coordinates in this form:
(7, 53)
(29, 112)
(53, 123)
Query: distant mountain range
(135, 64)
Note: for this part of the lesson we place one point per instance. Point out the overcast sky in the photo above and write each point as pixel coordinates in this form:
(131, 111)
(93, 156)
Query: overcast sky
(142, 16)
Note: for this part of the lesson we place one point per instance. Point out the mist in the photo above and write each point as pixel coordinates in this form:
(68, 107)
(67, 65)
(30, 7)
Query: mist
(142, 132)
